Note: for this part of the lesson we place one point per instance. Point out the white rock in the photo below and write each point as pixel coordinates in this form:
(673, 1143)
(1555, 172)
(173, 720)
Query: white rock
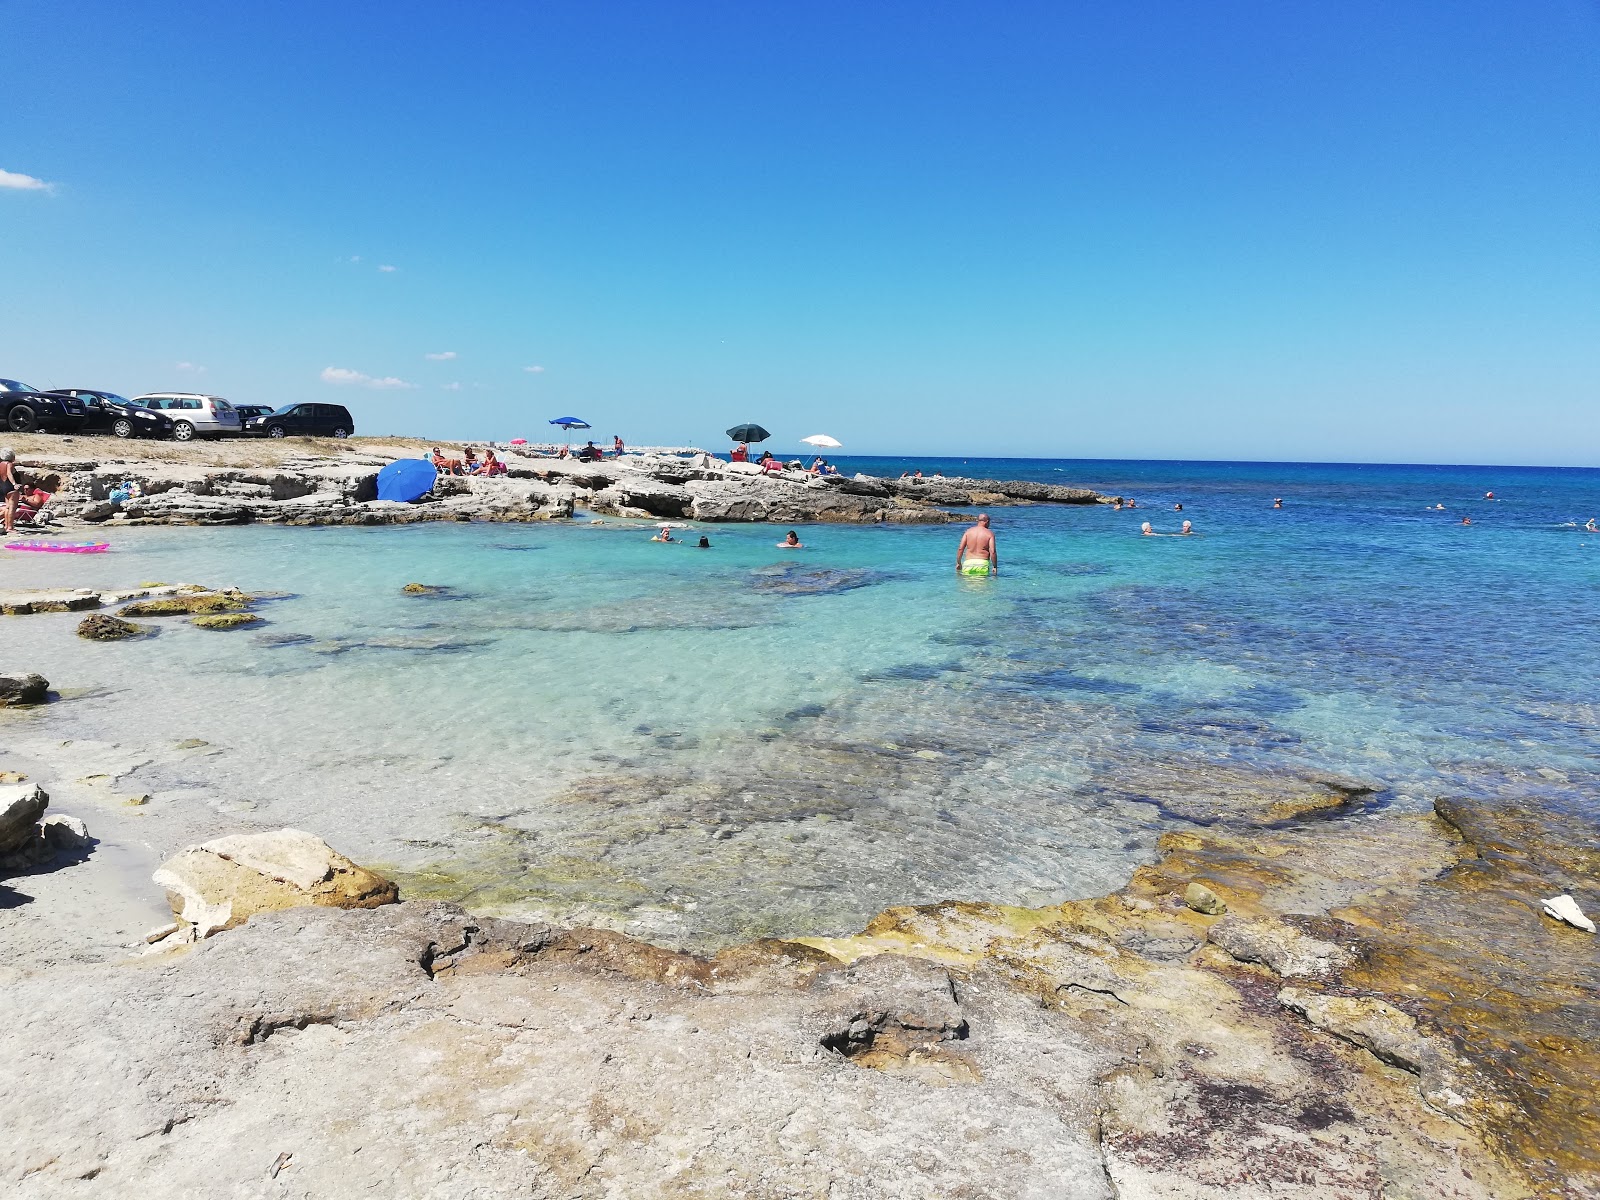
(62, 832)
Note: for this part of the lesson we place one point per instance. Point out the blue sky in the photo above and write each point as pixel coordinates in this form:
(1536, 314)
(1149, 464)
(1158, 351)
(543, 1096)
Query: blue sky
(1307, 231)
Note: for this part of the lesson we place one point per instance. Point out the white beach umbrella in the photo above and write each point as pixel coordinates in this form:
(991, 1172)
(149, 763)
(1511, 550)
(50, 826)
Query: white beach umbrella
(822, 441)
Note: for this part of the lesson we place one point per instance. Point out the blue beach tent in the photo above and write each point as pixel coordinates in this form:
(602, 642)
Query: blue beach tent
(406, 479)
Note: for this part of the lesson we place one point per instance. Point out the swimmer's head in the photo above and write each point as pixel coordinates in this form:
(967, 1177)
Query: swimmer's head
(983, 519)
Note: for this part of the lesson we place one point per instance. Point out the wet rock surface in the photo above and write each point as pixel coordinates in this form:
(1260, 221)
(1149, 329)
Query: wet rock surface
(101, 627)
(1302, 1045)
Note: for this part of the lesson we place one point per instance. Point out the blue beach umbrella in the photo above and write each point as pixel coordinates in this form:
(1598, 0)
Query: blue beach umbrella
(406, 479)
(571, 423)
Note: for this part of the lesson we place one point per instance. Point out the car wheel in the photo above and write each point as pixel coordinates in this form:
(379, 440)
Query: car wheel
(275, 431)
(341, 432)
(183, 431)
(23, 420)
(122, 427)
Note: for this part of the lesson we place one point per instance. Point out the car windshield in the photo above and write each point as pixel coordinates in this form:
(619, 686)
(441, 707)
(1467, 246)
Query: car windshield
(112, 398)
(12, 385)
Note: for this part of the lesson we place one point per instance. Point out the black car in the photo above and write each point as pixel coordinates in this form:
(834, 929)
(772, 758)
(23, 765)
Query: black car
(107, 412)
(304, 420)
(247, 412)
(24, 409)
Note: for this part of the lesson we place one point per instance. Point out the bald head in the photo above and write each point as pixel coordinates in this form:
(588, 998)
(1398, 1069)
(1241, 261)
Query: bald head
(983, 519)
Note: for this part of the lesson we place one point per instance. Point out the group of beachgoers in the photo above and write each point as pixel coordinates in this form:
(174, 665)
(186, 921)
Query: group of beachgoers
(771, 464)
(468, 464)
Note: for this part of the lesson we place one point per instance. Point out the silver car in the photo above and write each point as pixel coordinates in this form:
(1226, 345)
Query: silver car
(194, 414)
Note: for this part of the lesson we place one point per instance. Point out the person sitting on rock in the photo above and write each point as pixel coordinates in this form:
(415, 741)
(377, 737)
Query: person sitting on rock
(470, 465)
(450, 466)
(741, 453)
(590, 453)
(490, 466)
(771, 466)
(818, 465)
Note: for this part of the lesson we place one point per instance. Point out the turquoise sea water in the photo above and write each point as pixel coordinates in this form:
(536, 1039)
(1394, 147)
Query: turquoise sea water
(697, 745)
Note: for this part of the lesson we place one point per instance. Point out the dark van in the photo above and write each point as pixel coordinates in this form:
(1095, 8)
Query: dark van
(304, 420)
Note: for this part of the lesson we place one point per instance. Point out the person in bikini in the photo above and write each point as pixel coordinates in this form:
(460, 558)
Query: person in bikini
(976, 553)
(8, 486)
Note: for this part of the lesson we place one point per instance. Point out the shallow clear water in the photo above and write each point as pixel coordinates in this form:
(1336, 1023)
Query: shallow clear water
(697, 745)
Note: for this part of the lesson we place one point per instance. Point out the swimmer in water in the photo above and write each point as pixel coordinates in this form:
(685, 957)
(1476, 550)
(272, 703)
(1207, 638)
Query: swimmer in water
(1147, 531)
(1188, 528)
(1466, 520)
(705, 543)
(792, 542)
(1488, 495)
(1277, 502)
(1591, 527)
(665, 535)
(1177, 508)
(976, 553)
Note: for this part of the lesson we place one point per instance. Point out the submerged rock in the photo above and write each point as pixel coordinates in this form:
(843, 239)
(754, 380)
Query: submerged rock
(223, 883)
(102, 627)
(225, 621)
(204, 602)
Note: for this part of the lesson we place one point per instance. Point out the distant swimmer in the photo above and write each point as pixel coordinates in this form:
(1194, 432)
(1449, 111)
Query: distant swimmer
(1146, 530)
(1488, 495)
(1188, 528)
(976, 553)
(1277, 502)
(1117, 503)
(791, 542)
(1466, 520)
(665, 535)
(1132, 503)
(1591, 527)
(705, 543)
(1177, 508)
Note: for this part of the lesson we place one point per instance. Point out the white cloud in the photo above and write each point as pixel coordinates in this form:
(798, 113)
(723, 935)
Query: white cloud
(442, 356)
(344, 375)
(22, 183)
(452, 387)
(388, 268)
(534, 370)
(189, 366)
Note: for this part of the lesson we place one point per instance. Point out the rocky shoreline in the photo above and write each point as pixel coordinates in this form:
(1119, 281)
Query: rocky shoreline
(310, 485)
(1298, 1000)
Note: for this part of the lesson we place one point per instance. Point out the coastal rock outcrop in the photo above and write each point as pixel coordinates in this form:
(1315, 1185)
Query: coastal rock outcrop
(30, 839)
(23, 688)
(22, 807)
(341, 489)
(223, 883)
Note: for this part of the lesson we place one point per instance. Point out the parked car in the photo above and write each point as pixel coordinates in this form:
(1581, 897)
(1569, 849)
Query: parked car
(194, 414)
(249, 412)
(305, 420)
(24, 409)
(107, 412)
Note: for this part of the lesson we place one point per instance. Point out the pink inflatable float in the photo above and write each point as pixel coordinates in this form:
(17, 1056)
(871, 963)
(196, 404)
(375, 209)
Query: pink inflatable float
(61, 547)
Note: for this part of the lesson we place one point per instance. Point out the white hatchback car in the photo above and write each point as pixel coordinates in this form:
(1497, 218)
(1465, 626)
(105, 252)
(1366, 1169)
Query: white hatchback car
(194, 414)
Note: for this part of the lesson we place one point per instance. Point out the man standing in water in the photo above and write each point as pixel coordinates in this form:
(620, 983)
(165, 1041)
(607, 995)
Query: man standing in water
(976, 555)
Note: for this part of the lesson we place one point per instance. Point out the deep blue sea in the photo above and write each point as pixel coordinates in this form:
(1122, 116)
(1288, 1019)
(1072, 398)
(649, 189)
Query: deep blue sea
(697, 745)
